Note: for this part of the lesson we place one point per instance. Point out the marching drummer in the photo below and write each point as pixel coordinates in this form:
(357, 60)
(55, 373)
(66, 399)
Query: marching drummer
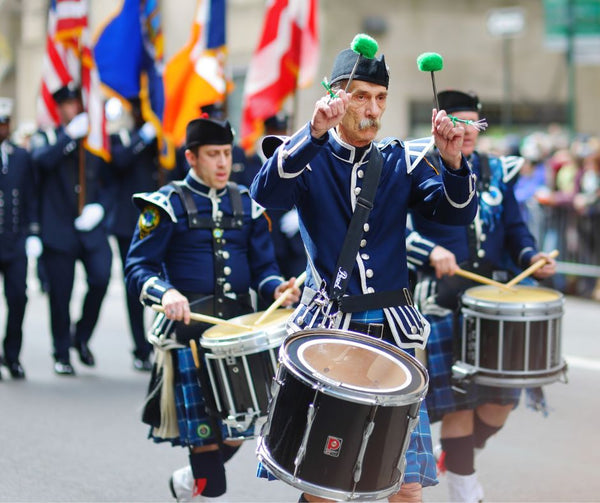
(495, 245)
(329, 170)
(201, 241)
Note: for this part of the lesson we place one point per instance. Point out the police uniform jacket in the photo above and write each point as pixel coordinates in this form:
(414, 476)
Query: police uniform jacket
(323, 177)
(134, 168)
(18, 202)
(166, 252)
(497, 229)
(56, 159)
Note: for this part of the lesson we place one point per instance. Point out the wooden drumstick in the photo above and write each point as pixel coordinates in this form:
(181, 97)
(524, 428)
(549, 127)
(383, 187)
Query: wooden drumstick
(281, 299)
(194, 349)
(480, 279)
(531, 269)
(204, 318)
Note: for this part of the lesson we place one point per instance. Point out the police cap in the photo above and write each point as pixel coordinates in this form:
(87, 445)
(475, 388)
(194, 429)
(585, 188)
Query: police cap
(69, 92)
(370, 70)
(6, 105)
(208, 132)
(457, 101)
(277, 122)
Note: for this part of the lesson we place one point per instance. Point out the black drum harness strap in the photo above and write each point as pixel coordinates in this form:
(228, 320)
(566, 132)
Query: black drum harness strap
(218, 225)
(331, 298)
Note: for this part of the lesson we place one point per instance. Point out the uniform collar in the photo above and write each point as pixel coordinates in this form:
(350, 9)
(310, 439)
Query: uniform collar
(345, 151)
(197, 185)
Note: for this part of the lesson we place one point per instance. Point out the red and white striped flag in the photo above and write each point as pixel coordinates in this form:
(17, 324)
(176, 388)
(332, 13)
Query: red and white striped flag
(69, 58)
(286, 58)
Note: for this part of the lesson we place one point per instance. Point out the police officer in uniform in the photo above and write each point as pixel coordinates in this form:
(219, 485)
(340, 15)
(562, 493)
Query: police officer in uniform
(70, 233)
(325, 169)
(134, 168)
(498, 230)
(18, 235)
(200, 245)
(289, 249)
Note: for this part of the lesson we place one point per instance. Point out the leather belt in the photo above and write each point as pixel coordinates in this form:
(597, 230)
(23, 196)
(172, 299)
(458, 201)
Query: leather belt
(377, 330)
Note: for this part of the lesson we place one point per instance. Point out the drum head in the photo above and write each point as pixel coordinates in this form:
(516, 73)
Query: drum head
(276, 319)
(354, 366)
(520, 294)
(268, 333)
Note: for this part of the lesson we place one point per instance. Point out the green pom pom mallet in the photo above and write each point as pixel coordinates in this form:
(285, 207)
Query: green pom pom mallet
(431, 62)
(364, 46)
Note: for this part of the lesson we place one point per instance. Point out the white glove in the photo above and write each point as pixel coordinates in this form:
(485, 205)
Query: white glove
(78, 127)
(147, 132)
(90, 217)
(289, 223)
(33, 247)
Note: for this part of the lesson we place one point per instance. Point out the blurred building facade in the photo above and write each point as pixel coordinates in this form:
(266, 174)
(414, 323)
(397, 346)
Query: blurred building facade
(473, 58)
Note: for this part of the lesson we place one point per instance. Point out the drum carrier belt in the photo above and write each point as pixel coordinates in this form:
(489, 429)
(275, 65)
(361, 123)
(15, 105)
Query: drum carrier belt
(347, 258)
(218, 225)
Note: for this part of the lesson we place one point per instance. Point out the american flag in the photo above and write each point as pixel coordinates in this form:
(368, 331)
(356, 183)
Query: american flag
(286, 58)
(69, 59)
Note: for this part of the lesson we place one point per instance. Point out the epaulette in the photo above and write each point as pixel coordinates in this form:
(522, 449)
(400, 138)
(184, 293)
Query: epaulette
(511, 165)
(415, 151)
(160, 199)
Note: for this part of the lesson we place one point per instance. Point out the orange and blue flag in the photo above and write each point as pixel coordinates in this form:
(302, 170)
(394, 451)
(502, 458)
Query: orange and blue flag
(129, 55)
(195, 76)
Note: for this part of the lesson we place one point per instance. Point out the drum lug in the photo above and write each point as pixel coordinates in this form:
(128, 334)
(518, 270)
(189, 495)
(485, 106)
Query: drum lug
(463, 376)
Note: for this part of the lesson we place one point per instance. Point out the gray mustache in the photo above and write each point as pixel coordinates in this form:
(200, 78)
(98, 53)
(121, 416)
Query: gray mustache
(369, 123)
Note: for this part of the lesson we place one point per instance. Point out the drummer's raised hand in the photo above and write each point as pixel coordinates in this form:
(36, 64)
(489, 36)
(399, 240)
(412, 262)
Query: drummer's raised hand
(292, 296)
(176, 305)
(328, 113)
(548, 269)
(443, 261)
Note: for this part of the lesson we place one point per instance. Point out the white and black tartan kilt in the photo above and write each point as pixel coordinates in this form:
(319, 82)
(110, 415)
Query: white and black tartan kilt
(441, 398)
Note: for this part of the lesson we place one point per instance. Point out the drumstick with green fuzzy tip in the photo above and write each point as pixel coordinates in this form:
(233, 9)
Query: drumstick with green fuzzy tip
(433, 62)
(364, 46)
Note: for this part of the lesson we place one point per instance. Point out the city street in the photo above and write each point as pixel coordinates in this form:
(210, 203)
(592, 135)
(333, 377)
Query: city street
(81, 439)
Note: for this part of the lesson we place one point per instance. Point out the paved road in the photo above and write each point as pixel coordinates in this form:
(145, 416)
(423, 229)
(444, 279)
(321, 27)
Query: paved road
(80, 439)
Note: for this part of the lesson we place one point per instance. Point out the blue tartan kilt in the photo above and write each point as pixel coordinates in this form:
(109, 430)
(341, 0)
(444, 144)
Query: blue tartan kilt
(195, 426)
(441, 399)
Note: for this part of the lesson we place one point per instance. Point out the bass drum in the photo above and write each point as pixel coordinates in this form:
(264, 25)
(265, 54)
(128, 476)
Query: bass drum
(343, 409)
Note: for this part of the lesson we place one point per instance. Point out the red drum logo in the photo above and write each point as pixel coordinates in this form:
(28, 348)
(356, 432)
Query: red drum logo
(333, 446)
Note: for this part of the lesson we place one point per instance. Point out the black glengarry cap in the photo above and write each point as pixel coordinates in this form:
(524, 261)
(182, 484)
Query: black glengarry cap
(208, 132)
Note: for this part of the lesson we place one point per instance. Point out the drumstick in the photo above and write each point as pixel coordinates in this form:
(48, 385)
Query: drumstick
(531, 269)
(209, 319)
(194, 349)
(480, 279)
(280, 300)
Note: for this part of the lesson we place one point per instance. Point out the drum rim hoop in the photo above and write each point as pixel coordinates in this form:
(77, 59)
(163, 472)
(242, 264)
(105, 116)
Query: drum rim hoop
(349, 394)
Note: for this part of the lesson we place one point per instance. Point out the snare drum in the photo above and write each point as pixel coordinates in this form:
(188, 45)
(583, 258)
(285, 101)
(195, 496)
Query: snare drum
(511, 338)
(343, 409)
(241, 365)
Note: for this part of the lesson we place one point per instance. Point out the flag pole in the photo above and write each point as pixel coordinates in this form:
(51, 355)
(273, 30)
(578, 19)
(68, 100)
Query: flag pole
(82, 180)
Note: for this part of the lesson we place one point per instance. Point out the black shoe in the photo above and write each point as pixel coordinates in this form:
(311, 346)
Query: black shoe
(85, 355)
(142, 364)
(16, 370)
(63, 368)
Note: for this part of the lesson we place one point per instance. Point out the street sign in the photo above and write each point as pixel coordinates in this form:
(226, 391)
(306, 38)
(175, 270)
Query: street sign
(506, 22)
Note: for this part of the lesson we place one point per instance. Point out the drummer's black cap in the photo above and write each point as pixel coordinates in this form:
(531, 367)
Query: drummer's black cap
(370, 70)
(69, 92)
(457, 101)
(207, 131)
